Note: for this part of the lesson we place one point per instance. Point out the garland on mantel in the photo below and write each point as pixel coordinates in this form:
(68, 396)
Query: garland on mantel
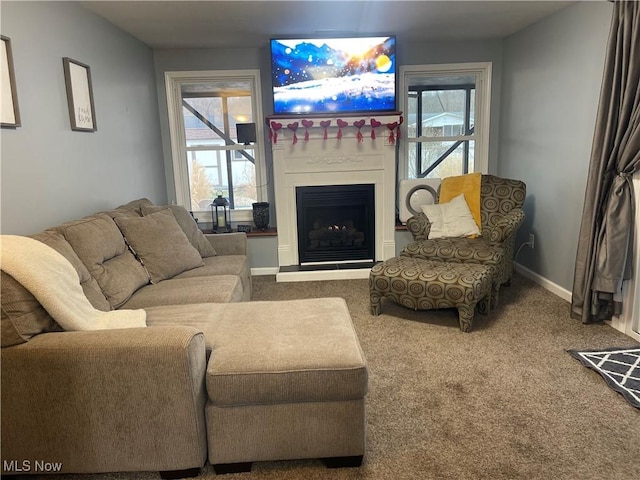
(393, 129)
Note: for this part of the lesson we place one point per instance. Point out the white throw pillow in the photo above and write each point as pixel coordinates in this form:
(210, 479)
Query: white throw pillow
(451, 219)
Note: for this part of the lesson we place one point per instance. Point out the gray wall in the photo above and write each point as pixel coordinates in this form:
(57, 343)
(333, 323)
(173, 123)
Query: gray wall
(551, 80)
(51, 174)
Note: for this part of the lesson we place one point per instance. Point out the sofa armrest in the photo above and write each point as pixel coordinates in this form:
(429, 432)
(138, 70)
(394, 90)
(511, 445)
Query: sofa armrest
(106, 401)
(419, 226)
(228, 243)
(507, 225)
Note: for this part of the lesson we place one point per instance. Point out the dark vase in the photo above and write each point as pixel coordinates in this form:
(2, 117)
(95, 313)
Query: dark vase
(261, 215)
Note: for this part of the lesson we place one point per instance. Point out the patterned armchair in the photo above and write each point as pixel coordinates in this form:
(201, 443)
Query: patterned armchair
(501, 213)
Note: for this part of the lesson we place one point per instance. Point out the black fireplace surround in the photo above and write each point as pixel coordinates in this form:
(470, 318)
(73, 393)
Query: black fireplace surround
(336, 223)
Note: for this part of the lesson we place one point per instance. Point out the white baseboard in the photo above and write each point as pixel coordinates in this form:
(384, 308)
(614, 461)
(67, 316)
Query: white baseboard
(259, 271)
(623, 326)
(544, 282)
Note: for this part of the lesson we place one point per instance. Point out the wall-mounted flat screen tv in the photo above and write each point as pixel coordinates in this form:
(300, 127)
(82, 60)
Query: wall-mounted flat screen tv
(333, 75)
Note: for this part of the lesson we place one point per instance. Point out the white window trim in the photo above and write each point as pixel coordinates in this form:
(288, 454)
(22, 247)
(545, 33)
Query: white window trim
(482, 71)
(173, 83)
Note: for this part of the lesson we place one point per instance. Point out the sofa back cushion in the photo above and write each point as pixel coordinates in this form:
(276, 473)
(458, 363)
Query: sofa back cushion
(188, 226)
(100, 246)
(160, 244)
(131, 209)
(89, 284)
(22, 316)
(136, 205)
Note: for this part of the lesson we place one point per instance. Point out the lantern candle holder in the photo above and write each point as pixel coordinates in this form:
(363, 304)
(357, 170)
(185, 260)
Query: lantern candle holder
(220, 220)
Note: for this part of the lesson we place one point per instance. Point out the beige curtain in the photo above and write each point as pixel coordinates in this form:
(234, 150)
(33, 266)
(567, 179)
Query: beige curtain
(602, 261)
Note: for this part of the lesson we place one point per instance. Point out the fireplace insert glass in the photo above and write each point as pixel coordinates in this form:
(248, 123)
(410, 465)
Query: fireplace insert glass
(336, 223)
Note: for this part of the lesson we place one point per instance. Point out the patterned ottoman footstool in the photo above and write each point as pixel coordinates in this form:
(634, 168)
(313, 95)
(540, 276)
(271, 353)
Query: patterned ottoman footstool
(425, 285)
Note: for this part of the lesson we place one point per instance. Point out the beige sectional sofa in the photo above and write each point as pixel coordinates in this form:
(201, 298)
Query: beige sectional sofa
(213, 376)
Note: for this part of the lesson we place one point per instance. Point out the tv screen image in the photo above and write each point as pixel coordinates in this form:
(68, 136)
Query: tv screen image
(334, 75)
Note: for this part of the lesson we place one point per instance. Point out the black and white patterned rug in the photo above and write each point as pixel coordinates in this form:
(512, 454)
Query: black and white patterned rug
(620, 367)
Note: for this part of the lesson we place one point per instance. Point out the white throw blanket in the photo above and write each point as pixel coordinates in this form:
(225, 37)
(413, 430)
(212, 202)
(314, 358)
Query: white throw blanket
(51, 278)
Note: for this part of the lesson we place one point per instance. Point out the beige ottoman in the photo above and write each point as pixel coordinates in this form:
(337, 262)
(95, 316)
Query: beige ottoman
(425, 285)
(285, 380)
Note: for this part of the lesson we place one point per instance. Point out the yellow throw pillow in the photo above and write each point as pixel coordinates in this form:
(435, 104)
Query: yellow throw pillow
(468, 184)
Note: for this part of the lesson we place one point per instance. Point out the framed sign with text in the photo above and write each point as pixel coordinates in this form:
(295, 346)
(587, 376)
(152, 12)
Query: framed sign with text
(77, 77)
(10, 114)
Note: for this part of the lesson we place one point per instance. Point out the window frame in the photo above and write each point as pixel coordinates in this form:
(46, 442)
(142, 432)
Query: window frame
(173, 83)
(482, 72)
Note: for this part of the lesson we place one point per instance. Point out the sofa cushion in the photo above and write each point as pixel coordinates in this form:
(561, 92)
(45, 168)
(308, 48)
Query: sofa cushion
(89, 284)
(276, 352)
(461, 250)
(182, 291)
(99, 244)
(457, 250)
(131, 209)
(136, 205)
(160, 244)
(22, 315)
(224, 265)
(188, 225)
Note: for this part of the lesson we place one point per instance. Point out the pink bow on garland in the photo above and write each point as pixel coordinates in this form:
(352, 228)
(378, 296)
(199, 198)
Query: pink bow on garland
(359, 124)
(307, 124)
(325, 124)
(293, 127)
(392, 137)
(341, 125)
(275, 126)
(374, 124)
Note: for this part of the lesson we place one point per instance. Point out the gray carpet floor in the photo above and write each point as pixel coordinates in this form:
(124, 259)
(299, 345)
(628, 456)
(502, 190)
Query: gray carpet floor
(502, 402)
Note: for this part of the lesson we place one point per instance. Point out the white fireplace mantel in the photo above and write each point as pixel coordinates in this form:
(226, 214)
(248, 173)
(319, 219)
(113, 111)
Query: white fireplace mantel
(348, 160)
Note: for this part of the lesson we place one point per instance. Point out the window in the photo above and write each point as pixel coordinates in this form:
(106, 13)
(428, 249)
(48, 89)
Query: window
(446, 120)
(204, 108)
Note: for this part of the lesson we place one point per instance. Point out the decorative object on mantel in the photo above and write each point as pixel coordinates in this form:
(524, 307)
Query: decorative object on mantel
(261, 215)
(393, 127)
(325, 124)
(293, 127)
(359, 124)
(220, 214)
(273, 132)
(374, 124)
(341, 124)
(307, 124)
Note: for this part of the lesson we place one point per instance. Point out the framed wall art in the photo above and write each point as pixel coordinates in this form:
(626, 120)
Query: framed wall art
(77, 77)
(10, 114)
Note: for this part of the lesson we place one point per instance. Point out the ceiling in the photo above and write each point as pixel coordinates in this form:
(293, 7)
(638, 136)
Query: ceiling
(243, 23)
